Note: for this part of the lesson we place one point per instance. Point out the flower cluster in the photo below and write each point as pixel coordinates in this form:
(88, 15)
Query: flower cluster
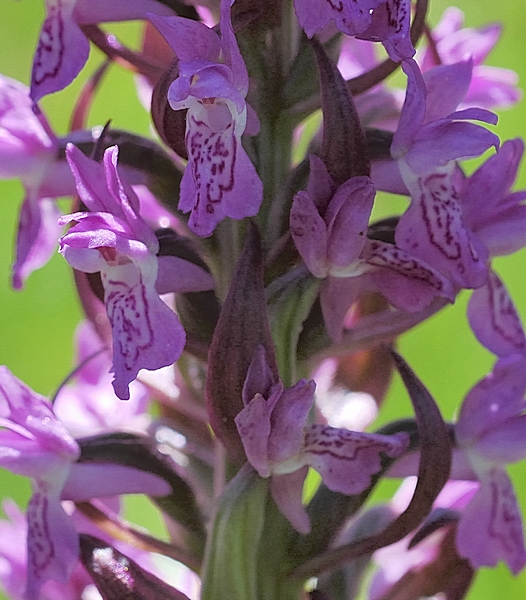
(243, 298)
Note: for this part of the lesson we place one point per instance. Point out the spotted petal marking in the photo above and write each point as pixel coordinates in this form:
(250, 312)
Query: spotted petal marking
(347, 459)
(382, 254)
(494, 319)
(213, 156)
(146, 333)
(433, 229)
(219, 181)
(62, 50)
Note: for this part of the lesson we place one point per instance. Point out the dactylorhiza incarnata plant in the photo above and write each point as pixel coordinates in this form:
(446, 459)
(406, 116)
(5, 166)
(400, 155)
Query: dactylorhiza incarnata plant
(234, 280)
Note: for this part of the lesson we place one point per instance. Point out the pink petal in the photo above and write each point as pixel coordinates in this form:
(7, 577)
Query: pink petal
(345, 459)
(190, 40)
(490, 529)
(309, 233)
(37, 238)
(287, 491)
(433, 230)
(220, 180)
(52, 542)
(179, 275)
(405, 280)
(336, 297)
(288, 419)
(494, 320)
(61, 53)
(253, 425)
(146, 333)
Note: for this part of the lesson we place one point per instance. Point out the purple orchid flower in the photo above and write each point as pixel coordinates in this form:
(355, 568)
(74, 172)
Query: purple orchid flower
(385, 21)
(490, 87)
(34, 443)
(495, 214)
(400, 559)
(115, 240)
(63, 48)
(13, 563)
(490, 432)
(279, 443)
(28, 150)
(426, 145)
(220, 180)
(335, 248)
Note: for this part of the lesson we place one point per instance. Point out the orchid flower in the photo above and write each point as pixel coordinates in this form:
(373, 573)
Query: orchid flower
(63, 48)
(34, 443)
(490, 87)
(490, 432)
(385, 21)
(335, 248)
(495, 214)
(426, 145)
(116, 241)
(220, 180)
(280, 444)
(28, 150)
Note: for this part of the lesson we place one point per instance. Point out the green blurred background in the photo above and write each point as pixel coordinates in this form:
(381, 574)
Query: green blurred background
(36, 325)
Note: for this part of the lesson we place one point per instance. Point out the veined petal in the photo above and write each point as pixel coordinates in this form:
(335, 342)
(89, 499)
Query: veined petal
(494, 320)
(37, 237)
(52, 542)
(406, 280)
(309, 233)
(490, 529)
(345, 459)
(220, 180)
(433, 230)
(62, 50)
(146, 333)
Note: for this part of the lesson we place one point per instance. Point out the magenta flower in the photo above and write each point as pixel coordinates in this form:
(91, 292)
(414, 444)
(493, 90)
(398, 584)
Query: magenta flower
(28, 150)
(220, 180)
(495, 214)
(279, 443)
(385, 21)
(35, 444)
(335, 248)
(116, 241)
(491, 432)
(427, 144)
(490, 87)
(63, 48)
